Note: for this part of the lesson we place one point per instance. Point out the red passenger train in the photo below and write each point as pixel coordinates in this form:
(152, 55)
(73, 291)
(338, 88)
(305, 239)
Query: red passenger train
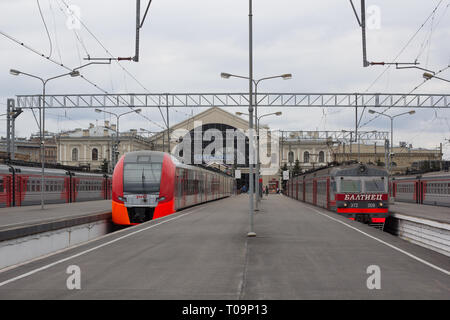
(358, 192)
(430, 188)
(151, 184)
(21, 186)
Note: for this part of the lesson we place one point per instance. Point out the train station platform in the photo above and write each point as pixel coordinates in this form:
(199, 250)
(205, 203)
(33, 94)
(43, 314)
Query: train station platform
(425, 225)
(18, 222)
(300, 252)
(422, 211)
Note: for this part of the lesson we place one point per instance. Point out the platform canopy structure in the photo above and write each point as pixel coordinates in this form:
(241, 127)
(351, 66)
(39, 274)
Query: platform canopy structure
(194, 100)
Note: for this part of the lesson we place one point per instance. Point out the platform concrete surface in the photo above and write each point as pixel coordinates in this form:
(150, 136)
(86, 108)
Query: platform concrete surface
(435, 213)
(30, 215)
(300, 252)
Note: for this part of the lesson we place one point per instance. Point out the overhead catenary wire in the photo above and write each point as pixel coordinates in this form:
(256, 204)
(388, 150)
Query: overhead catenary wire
(430, 16)
(63, 66)
(406, 45)
(113, 58)
(46, 29)
(414, 89)
(55, 29)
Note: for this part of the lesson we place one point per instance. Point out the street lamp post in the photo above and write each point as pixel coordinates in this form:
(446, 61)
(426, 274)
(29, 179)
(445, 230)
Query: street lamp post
(116, 144)
(42, 117)
(392, 133)
(278, 113)
(285, 76)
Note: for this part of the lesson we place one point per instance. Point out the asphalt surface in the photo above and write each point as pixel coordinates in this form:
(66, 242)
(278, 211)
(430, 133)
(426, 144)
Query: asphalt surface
(436, 213)
(300, 252)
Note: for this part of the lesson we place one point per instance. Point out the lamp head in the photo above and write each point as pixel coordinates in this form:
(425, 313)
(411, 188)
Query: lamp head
(225, 75)
(138, 110)
(75, 73)
(371, 111)
(287, 76)
(412, 112)
(14, 72)
(239, 113)
(98, 110)
(428, 76)
(279, 113)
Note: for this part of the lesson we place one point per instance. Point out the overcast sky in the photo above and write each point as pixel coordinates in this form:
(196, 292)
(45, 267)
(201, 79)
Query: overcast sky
(185, 45)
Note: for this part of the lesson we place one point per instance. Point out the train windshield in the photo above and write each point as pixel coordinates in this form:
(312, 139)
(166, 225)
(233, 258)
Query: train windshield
(375, 185)
(141, 178)
(350, 186)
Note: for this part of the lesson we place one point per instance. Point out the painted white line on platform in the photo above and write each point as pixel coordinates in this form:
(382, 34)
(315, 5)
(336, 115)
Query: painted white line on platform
(92, 249)
(385, 243)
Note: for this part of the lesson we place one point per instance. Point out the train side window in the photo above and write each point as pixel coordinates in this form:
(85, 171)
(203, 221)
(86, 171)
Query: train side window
(2, 189)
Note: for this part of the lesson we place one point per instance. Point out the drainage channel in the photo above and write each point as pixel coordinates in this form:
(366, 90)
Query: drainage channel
(24, 243)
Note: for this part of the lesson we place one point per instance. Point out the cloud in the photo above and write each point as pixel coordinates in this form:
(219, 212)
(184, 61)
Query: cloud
(186, 44)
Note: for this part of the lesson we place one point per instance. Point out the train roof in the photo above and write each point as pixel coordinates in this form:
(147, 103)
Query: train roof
(354, 169)
(158, 156)
(428, 175)
(37, 171)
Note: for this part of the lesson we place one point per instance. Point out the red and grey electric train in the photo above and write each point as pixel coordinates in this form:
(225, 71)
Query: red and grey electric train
(357, 191)
(431, 188)
(21, 186)
(151, 184)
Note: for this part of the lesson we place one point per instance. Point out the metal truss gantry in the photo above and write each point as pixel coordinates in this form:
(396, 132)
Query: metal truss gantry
(194, 100)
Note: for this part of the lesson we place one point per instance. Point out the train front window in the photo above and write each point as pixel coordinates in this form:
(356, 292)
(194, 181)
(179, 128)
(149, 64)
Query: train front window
(375, 185)
(350, 186)
(141, 178)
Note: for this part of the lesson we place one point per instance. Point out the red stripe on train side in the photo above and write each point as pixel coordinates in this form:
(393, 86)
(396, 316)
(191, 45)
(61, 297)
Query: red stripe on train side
(356, 210)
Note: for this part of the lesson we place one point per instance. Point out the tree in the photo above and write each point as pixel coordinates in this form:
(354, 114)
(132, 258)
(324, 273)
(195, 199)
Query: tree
(104, 166)
(297, 170)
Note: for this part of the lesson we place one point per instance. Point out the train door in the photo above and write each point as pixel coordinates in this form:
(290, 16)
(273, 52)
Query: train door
(6, 197)
(178, 188)
(315, 192)
(328, 193)
(422, 191)
(20, 186)
(304, 190)
(195, 186)
(418, 189)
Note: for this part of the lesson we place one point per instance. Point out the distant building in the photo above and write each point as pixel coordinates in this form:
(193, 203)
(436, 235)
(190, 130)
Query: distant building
(30, 149)
(92, 147)
(404, 158)
(306, 147)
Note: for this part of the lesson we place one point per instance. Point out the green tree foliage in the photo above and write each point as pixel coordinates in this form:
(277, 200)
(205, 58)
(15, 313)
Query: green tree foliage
(104, 166)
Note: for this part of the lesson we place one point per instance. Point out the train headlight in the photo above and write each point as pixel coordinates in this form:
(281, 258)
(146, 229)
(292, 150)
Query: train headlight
(122, 198)
(345, 204)
(161, 199)
(380, 204)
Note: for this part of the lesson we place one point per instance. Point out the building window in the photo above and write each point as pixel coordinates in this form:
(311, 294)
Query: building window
(321, 157)
(94, 154)
(291, 157)
(306, 157)
(74, 154)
